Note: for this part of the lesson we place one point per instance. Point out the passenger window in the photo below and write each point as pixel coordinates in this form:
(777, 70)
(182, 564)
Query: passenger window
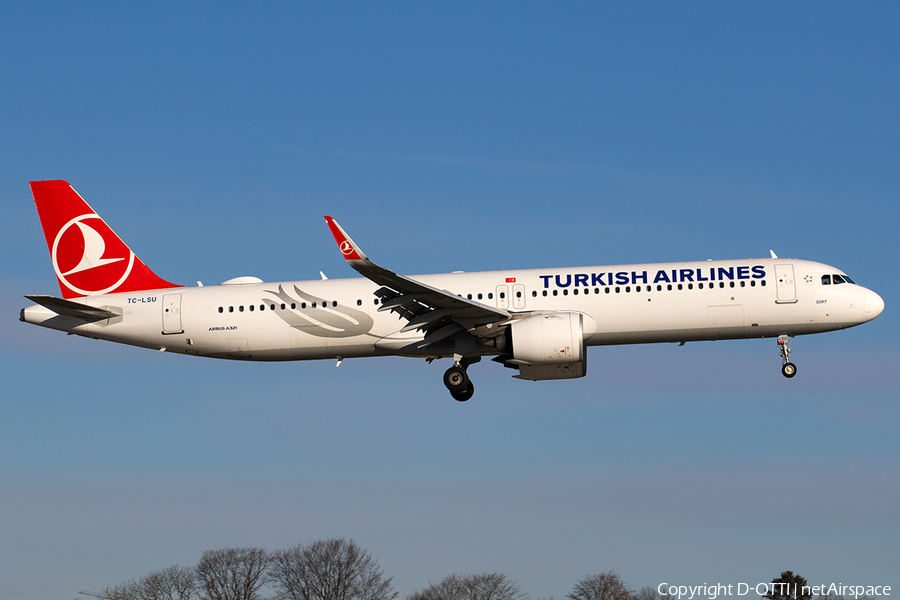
(293, 305)
(575, 291)
(480, 296)
(334, 304)
(230, 309)
(221, 309)
(491, 296)
(303, 305)
(743, 283)
(282, 306)
(544, 292)
(826, 279)
(252, 308)
(555, 292)
(241, 308)
(534, 293)
(359, 302)
(502, 295)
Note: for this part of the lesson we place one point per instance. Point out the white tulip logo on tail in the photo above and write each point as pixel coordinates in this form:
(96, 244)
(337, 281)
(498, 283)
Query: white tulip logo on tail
(96, 251)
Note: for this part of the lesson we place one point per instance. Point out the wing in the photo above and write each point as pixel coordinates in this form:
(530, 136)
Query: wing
(439, 313)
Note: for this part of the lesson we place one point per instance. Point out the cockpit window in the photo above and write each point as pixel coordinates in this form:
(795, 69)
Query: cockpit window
(826, 279)
(837, 279)
(848, 280)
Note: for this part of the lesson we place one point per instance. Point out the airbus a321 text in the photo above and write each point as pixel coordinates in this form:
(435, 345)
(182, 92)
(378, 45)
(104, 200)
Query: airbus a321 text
(538, 322)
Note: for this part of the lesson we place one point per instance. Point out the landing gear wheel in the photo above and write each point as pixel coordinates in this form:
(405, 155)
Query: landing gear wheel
(464, 395)
(788, 369)
(457, 380)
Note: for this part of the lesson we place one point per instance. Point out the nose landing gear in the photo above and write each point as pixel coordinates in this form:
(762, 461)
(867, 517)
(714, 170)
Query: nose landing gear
(788, 369)
(457, 381)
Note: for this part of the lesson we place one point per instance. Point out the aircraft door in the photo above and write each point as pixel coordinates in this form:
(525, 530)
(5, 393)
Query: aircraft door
(172, 313)
(503, 296)
(786, 289)
(518, 296)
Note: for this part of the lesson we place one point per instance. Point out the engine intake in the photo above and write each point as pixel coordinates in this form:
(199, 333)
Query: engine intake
(548, 346)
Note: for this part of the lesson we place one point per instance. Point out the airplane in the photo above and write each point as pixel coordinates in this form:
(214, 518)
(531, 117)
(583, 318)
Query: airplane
(537, 322)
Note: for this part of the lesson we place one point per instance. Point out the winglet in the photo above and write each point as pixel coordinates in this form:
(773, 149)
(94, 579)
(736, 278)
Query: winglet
(347, 246)
(772, 252)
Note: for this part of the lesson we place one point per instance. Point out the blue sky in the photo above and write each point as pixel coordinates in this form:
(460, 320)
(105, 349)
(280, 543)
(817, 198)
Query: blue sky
(454, 137)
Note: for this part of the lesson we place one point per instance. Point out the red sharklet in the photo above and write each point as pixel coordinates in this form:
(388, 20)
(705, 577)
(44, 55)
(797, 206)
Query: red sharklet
(345, 244)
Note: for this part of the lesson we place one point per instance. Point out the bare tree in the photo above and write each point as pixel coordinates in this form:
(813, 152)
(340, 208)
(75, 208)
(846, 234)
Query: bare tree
(648, 593)
(332, 569)
(174, 583)
(232, 573)
(451, 587)
(127, 590)
(605, 586)
(486, 586)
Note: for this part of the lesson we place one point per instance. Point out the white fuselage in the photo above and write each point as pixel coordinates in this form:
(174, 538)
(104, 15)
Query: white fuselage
(339, 318)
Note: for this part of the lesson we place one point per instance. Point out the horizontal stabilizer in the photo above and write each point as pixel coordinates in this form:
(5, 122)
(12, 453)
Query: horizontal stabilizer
(73, 309)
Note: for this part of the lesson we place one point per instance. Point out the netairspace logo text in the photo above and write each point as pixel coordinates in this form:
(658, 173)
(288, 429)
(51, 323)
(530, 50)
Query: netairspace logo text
(713, 591)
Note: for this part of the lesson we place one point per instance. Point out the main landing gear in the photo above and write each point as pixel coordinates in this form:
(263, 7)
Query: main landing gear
(788, 369)
(457, 381)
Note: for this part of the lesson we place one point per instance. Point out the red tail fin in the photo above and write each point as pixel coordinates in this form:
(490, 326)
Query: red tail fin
(88, 257)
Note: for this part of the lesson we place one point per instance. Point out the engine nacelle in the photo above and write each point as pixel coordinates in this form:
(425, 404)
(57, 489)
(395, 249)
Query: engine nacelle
(548, 346)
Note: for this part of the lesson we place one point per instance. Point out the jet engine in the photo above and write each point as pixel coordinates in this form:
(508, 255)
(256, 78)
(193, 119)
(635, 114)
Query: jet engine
(547, 346)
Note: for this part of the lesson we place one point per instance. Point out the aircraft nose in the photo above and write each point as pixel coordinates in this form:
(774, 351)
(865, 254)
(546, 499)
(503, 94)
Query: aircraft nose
(874, 304)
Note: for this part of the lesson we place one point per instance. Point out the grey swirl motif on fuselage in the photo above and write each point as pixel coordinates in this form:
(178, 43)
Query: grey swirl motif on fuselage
(323, 321)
